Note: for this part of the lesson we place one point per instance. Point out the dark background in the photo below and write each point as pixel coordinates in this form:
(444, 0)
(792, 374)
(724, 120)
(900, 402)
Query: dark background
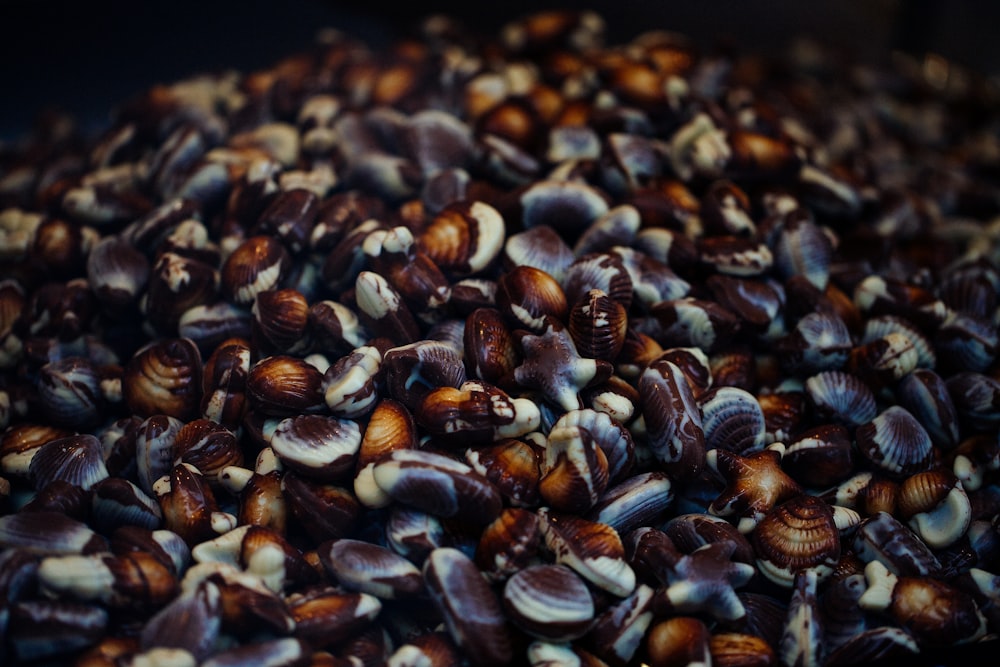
(85, 57)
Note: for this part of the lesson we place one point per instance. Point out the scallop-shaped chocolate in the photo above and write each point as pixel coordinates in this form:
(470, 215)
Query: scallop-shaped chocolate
(802, 248)
(613, 438)
(758, 304)
(820, 341)
(936, 507)
(164, 378)
(895, 442)
(977, 399)
(784, 410)
(966, 343)
(798, 534)
(117, 502)
(732, 420)
(445, 187)
(490, 353)
(618, 631)
(640, 500)
(47, 533)
(469, 606)
(224, 382)
(935, 612)
(209, 325)
(258, 264)
(370, 568)
(476, 413)
(765, 617)
(324, 448)
(541, 248)
(597, 325)
(284, 385)
(77, 460)
(526, 295)
(464, 238)
(513, 466)
(413, 533)
(594, 550)
(820, 457)
(154, 448)
(616, 227)
(925, 394)
(882, 325)
(681, 640)
(324, 614)
(668, 246)
(576, 470)
(884, 360)
(652, 280)
(176, 284)
(279, 320)
(602, 271)
(325, 511)
(116, 272)
(509, 544)
(692, 531)
(638, 351)
(436, 140)
(841, 397)
(970, 293)
(695, 365)
(691, 322)
(673, 420)
(970, 287)
(469, 294)
(61, 496)
(878, 295)
(413, 371)
(550, 602)
(69, 391)
(335, 328)
(439, 485)
(451, 332)
(390, 427)
(207, 446)
(349, 384)
(567, 206)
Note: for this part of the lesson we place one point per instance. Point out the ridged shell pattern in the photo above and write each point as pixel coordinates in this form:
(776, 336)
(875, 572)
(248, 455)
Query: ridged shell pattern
(895, 442)
(843, 397)
(732, 420)
(796, 535)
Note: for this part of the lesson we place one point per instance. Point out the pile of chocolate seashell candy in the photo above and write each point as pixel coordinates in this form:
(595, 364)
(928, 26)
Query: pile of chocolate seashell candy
(511, 350)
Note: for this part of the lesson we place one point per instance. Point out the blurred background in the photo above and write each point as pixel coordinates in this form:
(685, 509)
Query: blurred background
(84, 57)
